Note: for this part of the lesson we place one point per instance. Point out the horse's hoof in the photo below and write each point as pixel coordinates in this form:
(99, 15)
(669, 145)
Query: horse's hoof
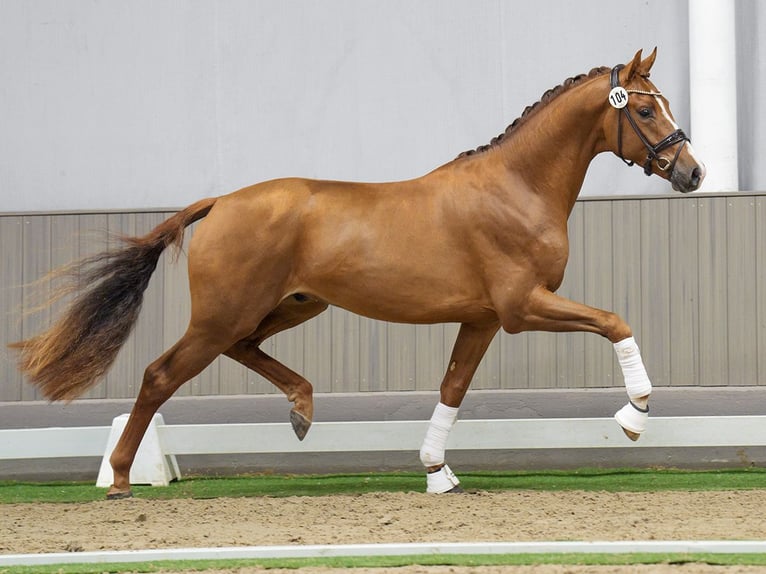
(455, 490)
(119, 495)
(634, 436)
(301, 424)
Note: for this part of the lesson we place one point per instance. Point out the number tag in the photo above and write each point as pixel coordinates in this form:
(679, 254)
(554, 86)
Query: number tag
(618, 97)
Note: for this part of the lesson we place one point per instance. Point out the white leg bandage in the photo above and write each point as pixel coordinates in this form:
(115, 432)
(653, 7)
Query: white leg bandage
(633, 417)
(637, 382)
(432, 451)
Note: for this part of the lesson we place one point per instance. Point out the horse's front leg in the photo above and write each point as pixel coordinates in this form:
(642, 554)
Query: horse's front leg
(546, 311)
(470, 346)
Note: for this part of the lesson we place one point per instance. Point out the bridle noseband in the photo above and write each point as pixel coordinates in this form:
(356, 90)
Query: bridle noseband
(653, 150)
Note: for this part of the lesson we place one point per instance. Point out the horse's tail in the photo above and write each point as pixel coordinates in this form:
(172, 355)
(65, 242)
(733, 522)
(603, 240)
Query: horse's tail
(75, 352)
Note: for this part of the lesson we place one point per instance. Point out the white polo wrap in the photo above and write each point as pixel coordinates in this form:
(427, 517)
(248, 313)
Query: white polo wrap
(637, 382)
(632, 417)
(432, 451)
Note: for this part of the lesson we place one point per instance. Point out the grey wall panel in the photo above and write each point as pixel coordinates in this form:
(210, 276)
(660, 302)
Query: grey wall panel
(488, 375)
(598, 291)
(11, 295)
(713, 283)
(688, 273)
(514, 361)
(760, 302)
(373, 355)
(345, 358)
(683, 289)
(741, 289)
(627, 250)
(92, 231)
(123, 379)
(317, 358)
(36, 263)
(655, 296)
(570, 347)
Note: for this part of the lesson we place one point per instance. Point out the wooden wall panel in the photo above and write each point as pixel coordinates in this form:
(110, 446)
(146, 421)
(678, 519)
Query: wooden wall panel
(570, 347)
(35, 264)
(11, 296)
(760, 291)
(431, 358)
(628, 222)
(654, 295)
(741, 288)
(713, 283)
(92, 234)
(401, 358)
(373, 356)
(317, 366)
(598, 260)
(684, 291)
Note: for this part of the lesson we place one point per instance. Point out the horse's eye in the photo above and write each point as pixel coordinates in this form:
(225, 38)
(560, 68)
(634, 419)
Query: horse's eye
(645, 112)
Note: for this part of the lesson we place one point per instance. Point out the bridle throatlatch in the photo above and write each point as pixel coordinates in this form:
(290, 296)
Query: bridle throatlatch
(618, 98)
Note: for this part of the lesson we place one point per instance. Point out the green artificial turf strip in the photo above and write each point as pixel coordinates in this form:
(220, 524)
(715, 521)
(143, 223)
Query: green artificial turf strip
(633, 480)
(394, 561)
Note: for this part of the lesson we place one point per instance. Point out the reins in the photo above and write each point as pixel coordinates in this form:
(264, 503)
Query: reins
(619, 99)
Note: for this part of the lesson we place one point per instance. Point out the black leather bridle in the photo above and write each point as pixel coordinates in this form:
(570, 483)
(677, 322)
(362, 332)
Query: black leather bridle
(653, 150)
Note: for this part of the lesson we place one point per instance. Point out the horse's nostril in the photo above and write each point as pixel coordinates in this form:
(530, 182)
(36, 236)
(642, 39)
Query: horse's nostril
(696, 176)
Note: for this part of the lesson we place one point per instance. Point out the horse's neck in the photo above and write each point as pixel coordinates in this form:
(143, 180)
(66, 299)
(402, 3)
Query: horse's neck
(553, 149)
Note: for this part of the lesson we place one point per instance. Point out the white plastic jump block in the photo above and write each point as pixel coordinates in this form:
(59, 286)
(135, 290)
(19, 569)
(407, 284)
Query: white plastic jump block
(151, 465)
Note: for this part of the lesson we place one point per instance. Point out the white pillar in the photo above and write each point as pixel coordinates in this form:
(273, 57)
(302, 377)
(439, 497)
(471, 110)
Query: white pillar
(713, 91)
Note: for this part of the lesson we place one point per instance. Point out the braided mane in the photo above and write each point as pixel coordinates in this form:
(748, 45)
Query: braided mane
(529, 111)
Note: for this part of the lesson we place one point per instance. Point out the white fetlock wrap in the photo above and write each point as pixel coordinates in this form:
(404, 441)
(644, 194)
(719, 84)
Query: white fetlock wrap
(632, 417)
(435, 441)
(637, 382)
(442, 480)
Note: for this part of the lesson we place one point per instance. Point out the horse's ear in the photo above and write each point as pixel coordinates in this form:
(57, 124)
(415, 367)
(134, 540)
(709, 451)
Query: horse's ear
(646, 65)
(632, 68)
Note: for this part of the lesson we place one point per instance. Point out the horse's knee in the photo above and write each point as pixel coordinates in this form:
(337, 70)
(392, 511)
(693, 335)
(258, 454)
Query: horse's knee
(615, 328)
(453, 389)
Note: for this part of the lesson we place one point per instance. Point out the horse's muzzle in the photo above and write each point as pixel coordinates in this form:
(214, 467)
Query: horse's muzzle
(687, 180)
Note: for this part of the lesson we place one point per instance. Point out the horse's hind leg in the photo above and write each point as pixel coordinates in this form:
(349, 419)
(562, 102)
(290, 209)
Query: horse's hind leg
(470, 346)
(291, 312)
(192, 353)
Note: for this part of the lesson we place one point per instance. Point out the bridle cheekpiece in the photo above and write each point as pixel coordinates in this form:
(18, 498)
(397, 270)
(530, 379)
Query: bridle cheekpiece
(618, 98)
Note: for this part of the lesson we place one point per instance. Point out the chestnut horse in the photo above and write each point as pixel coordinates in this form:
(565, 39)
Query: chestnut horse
(481, 241)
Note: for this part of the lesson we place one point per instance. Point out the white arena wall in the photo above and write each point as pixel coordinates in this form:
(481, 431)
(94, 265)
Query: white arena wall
(146, 104)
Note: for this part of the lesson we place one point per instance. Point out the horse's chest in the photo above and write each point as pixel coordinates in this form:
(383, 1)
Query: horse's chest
(539, 258)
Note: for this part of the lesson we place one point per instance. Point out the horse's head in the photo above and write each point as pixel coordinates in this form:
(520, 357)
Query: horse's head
(640, 128)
